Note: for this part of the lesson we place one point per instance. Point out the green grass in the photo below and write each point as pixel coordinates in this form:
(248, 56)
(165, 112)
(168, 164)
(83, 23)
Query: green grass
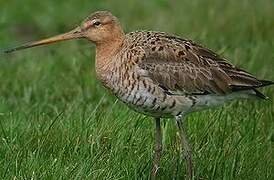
(57, 121)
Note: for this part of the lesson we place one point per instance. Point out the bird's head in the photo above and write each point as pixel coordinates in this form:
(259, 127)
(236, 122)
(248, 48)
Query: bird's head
(100, 27)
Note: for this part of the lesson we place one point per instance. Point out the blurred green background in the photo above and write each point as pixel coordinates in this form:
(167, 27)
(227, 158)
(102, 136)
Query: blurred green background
(58, 122)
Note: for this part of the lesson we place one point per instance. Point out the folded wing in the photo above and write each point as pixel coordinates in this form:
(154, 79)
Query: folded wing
(182, 67)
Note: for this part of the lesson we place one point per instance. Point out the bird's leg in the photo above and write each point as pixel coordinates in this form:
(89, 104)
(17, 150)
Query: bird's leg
(185, 147)
(158, 149)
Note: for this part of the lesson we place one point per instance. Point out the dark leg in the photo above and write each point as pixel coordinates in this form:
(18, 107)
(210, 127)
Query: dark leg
(158, 149)
(186, 148)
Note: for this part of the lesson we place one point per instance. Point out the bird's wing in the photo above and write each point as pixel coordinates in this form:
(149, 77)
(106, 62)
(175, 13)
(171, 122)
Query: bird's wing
(181, 66)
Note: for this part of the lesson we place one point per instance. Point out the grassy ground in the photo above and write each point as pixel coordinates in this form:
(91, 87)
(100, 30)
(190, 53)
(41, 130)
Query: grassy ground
(57, 122)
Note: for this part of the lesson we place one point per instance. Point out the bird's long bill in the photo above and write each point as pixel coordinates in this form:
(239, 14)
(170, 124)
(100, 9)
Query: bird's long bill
(74, 34)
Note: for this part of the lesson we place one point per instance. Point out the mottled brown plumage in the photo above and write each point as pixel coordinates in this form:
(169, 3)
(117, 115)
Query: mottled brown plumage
(160, 74)
(182, 65)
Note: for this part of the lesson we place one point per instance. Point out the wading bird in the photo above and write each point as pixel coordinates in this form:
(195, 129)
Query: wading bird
(160, 75)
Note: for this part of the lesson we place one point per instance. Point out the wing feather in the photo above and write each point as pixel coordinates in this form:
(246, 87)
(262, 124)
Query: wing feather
(182, 66)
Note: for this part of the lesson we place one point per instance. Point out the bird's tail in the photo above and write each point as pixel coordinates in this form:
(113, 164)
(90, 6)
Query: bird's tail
(264, 83)
(253, 89)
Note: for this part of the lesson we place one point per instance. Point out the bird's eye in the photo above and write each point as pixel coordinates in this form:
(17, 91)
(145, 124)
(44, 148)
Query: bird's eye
(97, 23)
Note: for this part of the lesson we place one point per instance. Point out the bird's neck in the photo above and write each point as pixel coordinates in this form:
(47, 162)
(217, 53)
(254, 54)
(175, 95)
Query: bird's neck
(105, 55)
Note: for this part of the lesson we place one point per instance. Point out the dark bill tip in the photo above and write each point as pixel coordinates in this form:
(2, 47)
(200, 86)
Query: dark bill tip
(10, 50)
(74, 34)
